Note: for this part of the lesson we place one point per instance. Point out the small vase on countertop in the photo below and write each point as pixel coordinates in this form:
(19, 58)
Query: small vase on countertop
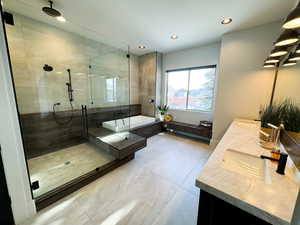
(161, 117)
(162, 110)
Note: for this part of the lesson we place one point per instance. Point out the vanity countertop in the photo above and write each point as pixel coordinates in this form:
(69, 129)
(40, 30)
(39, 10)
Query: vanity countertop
(271, 198)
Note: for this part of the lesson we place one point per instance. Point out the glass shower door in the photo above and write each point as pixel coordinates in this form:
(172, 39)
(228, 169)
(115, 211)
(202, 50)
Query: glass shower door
(109, 105)
(52, 76)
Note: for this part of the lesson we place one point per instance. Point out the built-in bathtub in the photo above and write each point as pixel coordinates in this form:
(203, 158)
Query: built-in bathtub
(128, 123)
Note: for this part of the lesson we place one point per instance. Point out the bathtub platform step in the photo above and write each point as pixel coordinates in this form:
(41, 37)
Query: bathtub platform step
(120, 145)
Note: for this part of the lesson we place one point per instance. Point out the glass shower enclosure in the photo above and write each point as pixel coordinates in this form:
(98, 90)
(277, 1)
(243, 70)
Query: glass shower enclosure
(73, 97)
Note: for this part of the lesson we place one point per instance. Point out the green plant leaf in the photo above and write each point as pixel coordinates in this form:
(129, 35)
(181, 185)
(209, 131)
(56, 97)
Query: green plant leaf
(286, 112)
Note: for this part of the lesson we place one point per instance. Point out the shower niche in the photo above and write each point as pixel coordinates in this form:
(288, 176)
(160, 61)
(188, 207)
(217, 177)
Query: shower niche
(67, 86)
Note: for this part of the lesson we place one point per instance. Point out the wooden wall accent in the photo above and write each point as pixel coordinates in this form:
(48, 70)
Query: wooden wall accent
(43, 135)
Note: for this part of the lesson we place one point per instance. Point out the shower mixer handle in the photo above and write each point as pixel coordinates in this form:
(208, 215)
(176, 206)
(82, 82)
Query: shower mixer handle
(69, 86)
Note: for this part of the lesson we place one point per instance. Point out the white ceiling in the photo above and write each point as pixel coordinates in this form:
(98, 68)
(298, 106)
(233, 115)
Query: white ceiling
(152, 22)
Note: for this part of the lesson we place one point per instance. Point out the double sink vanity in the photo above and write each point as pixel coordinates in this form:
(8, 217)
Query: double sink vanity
(238, 186)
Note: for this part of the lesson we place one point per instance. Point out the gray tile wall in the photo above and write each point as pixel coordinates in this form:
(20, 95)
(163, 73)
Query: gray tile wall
(33, 44)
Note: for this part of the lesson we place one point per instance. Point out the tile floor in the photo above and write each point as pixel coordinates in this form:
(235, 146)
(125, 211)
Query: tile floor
(57, 168)
(156, 188)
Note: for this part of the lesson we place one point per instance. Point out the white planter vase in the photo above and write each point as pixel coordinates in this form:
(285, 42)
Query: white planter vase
(161, 117)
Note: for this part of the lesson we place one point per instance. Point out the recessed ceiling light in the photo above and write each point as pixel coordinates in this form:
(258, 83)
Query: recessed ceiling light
(227, 21)
(61, 19)
(293, 19)
(174, 37)
(294, 57)
(269, 65)
(142, 46)
(289, 64)
(288, 37)
(278, 51)
(272, 60)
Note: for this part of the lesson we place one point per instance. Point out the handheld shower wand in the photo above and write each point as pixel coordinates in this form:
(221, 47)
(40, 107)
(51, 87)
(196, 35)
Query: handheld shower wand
(69, 84)
(71, 99)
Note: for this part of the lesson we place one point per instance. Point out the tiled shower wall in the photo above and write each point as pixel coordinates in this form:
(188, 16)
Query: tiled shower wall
(134, 80)
(149, 82)
(33, 44)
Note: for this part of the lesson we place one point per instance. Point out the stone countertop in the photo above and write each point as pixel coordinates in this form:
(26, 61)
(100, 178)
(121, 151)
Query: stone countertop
(273, 201)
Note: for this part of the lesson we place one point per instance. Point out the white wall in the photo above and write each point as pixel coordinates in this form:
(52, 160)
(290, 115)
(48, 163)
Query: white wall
(243, 84)
(37, 90)
(11, 143)
(200, 56)
(287, 85)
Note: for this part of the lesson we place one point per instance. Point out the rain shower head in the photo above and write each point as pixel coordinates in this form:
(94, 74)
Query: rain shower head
(50, 11)
(47, 68)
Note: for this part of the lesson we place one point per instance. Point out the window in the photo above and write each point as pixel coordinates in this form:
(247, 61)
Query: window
(191, 89)
(111, 90)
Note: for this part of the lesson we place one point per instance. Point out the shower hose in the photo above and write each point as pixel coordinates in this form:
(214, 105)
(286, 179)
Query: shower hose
(61, 122)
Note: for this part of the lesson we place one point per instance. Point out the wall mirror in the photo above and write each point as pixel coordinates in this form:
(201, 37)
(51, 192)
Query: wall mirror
(288, 88)
(288, 84)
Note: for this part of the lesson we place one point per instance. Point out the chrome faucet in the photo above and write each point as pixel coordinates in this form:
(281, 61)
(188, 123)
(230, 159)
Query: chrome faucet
(272, 140)
(276, 136)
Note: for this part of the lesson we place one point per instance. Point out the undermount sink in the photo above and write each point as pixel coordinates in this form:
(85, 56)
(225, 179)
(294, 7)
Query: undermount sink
(245, 164)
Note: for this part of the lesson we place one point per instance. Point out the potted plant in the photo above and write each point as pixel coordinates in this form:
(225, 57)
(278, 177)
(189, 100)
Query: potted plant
(290, 116)
(286, 113)
(270, 114)
(162, 110)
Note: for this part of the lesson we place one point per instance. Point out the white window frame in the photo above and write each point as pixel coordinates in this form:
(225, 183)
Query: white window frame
(188, 90)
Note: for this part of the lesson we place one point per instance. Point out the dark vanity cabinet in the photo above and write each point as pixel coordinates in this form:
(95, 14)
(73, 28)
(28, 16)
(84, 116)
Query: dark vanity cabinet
(214, 211)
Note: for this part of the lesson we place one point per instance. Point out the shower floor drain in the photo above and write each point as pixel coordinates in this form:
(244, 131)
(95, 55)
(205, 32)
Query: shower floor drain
(67, 163)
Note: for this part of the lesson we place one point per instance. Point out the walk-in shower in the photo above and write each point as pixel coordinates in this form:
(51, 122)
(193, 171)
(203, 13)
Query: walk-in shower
(79, 112)
(53, 83)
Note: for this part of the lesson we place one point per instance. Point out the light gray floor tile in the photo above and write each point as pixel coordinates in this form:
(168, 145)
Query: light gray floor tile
(57, 168)
(65, 211)
(156, 188)
(181, 210)
(190, 181)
